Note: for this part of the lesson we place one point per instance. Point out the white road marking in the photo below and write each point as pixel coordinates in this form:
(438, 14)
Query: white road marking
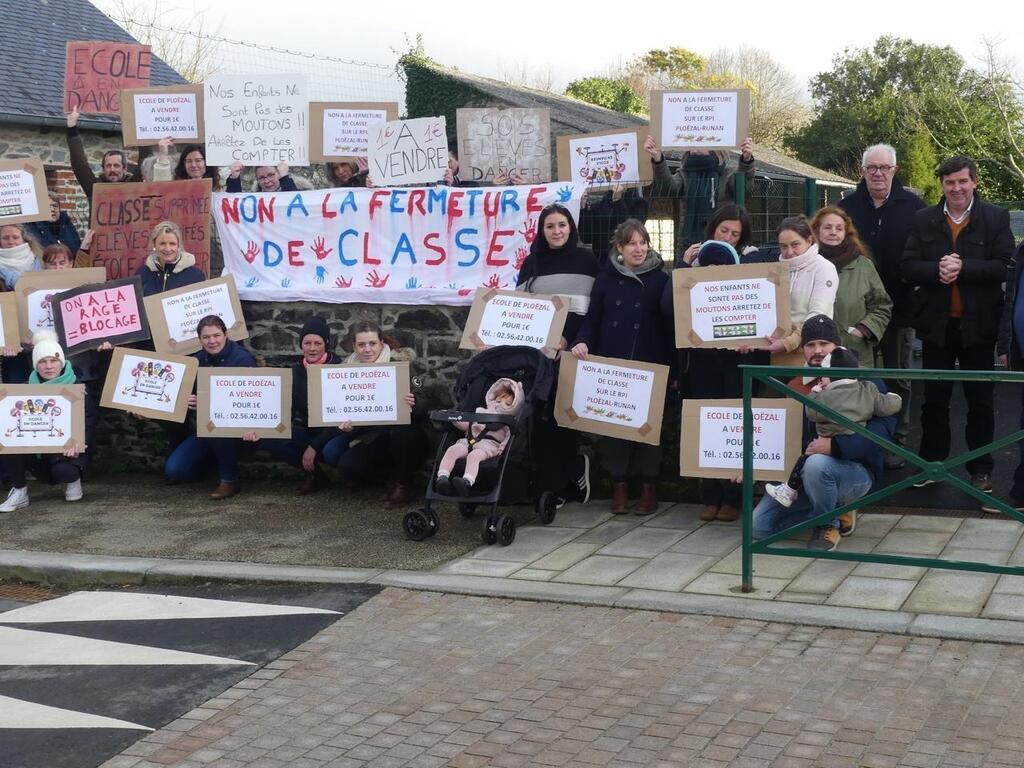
(16, 713)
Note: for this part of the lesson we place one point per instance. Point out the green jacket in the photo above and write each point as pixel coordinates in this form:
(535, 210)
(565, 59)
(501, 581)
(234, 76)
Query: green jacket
(862, 300)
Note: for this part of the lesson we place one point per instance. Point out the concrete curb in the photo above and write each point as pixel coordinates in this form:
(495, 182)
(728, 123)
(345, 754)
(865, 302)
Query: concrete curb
(76, 570)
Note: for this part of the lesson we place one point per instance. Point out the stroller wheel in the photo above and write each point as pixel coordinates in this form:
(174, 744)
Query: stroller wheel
(418, 525)
(546, 506)
(506, 530)
(489, 530)
(467, 510)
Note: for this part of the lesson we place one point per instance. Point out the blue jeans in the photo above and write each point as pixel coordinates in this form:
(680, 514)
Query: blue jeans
(828, 483)
(187, 460)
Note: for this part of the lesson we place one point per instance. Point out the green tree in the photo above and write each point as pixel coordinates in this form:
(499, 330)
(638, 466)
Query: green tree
(608, 93)
(917, 165)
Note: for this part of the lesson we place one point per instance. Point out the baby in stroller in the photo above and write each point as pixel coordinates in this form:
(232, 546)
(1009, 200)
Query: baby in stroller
(483, 441)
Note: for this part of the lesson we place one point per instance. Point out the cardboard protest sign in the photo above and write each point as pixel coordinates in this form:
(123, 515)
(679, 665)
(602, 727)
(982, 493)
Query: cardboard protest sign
(616, 398)
(504, 141)
(408, 152)
(510, 318)
(605, 158)
(35, 290)
(256, 119)
(700, 119)
(95, 73)
(711, 438)
(234, 401)
(41, 418)
(170, 111)
(152, 384)
(731, 306)
(10, 335)
(23, 191)
(365, 394)
(174, 315)
(794, 359)
(381, 246)
(123, 217)
(339, 130)
(89, 315)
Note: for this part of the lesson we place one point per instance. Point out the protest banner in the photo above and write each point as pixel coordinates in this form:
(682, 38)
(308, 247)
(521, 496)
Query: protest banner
(616, 398)
(700, 119)
(339, 130)
(95, 73)
(10, 336)
(234, 401)
(89, 315)
(175, 315)
(365, 394)
(150, 384)
(605, 158)
(731, 306)
(510, 318)
(41, 418)
(404, 152)
(123, 217)
(256, 119)
(381, 246)
(170, 111)
(23, 191)
(504, 141)
(711, 438)
(35, 290)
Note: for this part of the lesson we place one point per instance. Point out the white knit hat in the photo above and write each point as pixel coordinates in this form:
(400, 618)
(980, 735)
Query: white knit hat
(46, 344)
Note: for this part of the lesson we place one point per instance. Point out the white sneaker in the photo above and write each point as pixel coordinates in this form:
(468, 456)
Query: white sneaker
(16, 499)
(782, 493)
(73, 491)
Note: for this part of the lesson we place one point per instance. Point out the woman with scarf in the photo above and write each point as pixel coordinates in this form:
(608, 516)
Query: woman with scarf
(558, 264)
(862, 306)
(624, 321)
(18, 253)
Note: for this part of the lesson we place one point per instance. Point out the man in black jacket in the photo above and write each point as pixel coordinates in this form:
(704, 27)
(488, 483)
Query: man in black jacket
(882, 210)
(115, 163)
(956, 260)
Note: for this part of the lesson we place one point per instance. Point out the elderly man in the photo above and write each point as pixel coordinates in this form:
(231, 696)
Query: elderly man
(882, 211)
(956, 259)
(838, 470)
(115, 164)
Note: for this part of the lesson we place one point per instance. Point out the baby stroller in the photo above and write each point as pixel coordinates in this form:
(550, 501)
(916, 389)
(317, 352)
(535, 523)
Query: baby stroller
(510, 478)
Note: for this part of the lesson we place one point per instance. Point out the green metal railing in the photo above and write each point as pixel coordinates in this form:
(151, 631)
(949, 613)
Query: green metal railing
(930, 470)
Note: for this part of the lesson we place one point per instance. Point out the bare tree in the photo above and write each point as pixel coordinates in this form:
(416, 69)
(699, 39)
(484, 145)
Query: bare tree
(522, 74)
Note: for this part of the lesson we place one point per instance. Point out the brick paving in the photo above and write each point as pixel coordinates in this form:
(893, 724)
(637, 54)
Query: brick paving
(426, 679)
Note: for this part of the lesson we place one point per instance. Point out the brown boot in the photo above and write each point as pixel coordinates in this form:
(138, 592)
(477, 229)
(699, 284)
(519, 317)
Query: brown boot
(727, 513)
(398, 497)
(312, 482)
(224, 490)
(648, 501)
(389, 488)
(709, 513)
(619, 500)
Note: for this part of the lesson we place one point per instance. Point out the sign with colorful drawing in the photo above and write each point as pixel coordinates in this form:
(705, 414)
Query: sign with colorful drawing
(513, 142)
(702, 119)
(35, 291)
(112, 312)
(95, 73)
(41, 418)
(605, 159)
(339, 130)
(151, 384)
(408, 151)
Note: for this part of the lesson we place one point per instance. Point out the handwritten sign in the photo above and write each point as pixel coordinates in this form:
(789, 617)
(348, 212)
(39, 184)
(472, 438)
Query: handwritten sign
(149, 383)
(41, 418)
(712, 438)
(234, 401)
(702, 119)
(23, 191)
(175, 315)
(508, 141)
(605, 158)
(123, 217)
(408, 151)
(95, 73)
(87, 316)
(256, 119)
(35, 291)
(363, 394)
(730, 306)
(339, 130)
(171, 111)
(607, 396)
(508, 317)
(381, 246)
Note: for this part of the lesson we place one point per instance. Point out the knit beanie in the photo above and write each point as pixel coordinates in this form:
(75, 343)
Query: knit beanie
(819, 328)
(717, 253)
(318, 327)
(46, 344)
(840, 357)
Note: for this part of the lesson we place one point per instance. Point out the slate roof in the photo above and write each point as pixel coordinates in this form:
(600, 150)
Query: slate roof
(32, 47)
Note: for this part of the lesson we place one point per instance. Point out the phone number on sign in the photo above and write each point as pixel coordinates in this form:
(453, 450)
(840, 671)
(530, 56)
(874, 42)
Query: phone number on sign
(247, 417)
(758, 456)
(516, 337)
(359, 410)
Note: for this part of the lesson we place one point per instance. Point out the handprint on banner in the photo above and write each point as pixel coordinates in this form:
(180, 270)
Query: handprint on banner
(565, 194)
(252, 281)
(321, 275)
(252, 250)
(529, 230)
(373, 280)
(494, 281)
(286, 282)
(319, 248)
(412, 283)
(465, 291)
(521, 254)
(451, 286)
(341, 282)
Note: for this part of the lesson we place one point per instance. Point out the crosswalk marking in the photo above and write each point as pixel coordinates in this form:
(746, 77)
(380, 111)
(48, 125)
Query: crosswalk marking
(15, 713)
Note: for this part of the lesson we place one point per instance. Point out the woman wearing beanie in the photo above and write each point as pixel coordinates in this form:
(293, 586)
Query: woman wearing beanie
(51, 367)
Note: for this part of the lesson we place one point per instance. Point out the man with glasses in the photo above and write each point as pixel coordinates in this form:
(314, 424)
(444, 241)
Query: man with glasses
(882, 210)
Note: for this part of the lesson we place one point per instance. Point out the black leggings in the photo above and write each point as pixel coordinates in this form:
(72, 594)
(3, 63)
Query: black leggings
(394, 454)
(48, 469)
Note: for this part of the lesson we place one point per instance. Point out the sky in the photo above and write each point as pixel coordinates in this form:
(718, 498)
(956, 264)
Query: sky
(579, 39)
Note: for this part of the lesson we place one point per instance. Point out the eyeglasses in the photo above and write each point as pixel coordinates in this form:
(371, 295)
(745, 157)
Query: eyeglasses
(267, 177)
(879, 168)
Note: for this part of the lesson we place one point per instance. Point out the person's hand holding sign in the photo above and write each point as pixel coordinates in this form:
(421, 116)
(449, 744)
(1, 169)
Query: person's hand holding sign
(651, 148)
(581, 351)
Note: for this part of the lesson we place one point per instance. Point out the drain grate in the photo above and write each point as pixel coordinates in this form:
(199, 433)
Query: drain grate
(27, 593)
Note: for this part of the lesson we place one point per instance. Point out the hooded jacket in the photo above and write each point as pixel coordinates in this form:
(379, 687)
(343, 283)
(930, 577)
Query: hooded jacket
(233, 355)
(499, 433)
(158, 277)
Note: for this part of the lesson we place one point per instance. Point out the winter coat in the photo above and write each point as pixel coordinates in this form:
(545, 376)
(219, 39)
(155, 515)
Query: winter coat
(318, 436)
(83, 171)
(813, 282)
(1011, 326)
(497, 433)
(158, 277)
(624, 319)
(233, 355)
(861, 300)
(52, 232)
(986, 248)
